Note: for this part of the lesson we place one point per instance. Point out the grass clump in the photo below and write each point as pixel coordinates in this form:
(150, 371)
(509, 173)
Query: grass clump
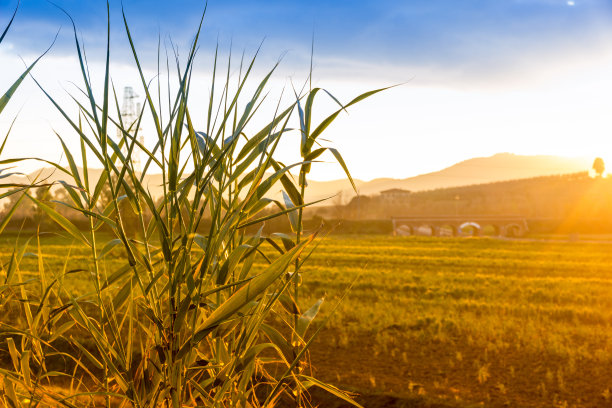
(184, 319)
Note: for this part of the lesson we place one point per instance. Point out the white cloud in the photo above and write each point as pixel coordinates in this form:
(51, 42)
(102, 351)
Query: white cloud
(554, 105)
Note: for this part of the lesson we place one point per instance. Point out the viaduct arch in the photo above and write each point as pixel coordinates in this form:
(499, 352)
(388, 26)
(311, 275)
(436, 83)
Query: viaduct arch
(504, 226)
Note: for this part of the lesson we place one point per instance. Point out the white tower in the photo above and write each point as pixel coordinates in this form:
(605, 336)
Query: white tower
(129, 116)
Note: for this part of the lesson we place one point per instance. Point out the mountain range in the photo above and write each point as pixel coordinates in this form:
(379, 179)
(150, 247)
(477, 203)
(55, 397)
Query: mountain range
(481, 170)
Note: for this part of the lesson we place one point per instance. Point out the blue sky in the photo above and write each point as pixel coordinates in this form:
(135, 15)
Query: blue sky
(484, 76)
(435, 32)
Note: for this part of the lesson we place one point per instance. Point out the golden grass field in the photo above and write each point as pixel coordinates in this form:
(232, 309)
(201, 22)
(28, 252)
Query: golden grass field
(457, 321)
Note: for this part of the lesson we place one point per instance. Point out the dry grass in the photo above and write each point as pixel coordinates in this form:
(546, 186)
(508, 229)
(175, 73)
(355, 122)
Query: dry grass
(524, 323)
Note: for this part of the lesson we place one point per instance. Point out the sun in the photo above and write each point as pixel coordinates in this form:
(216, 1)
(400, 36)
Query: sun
(571, 3)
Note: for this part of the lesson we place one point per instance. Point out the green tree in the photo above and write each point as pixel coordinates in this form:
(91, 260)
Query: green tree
(13, 202)
(43, 194)
(599, 166)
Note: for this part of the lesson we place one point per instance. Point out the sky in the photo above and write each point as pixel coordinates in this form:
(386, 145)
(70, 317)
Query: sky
(477, 77)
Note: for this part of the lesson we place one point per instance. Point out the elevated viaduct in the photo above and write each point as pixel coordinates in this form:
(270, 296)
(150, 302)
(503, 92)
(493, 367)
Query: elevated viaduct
(504, 226)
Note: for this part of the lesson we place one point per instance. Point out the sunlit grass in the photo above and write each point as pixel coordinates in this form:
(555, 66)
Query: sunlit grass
(449, 279)
(499, 307)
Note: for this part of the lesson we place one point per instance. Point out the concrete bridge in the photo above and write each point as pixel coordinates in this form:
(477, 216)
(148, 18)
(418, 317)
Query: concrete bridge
(503, 226)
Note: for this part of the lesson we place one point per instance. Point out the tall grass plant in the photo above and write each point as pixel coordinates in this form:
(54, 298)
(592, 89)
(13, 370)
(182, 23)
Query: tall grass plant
(185, 320)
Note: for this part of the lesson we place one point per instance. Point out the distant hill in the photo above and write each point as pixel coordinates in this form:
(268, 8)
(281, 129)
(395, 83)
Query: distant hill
(481, 170)
(499, 167)
(52, 175)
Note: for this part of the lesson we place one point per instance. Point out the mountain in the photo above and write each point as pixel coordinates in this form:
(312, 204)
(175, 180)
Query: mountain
(49, 175)
(481, 170)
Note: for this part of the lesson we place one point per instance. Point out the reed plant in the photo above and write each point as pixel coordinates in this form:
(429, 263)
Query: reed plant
(187, 320)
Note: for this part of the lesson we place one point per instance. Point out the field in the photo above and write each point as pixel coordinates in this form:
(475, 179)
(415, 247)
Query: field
(459, 321)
